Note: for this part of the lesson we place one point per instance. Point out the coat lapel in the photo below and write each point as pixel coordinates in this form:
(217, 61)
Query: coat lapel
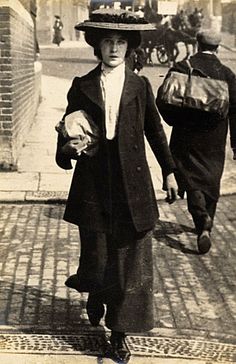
(131, 87)
(90, 86)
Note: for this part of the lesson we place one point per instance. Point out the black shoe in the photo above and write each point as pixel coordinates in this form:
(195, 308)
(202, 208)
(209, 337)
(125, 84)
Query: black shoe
(73, 282)
(204, 242)
(95, 310)
(120, 350)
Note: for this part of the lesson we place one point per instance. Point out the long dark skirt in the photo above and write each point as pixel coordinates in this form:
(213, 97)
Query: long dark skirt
(116, 265)
(118, 270)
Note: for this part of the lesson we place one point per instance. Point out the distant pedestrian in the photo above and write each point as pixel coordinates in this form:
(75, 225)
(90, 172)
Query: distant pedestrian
(57, 29)
(111, 197)
(198, 142)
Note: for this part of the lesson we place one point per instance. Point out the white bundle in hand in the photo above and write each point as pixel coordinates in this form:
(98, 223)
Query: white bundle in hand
(79, 125)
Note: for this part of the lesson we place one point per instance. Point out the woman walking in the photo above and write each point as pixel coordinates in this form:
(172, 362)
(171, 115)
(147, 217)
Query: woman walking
(111, 197)
(57, 31)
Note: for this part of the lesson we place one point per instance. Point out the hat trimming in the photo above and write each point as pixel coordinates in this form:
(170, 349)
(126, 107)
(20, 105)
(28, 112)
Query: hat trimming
(115, 20)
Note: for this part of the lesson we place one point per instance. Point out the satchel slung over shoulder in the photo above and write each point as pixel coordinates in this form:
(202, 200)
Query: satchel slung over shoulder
(196, 92)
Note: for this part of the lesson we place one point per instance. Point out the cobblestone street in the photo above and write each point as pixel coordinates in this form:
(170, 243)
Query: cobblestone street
(194, 294)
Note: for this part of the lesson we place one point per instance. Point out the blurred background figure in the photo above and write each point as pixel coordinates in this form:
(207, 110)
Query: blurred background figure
(140, 12)
(180, 21)
(195, 19)
(136, 60)
(57, 28)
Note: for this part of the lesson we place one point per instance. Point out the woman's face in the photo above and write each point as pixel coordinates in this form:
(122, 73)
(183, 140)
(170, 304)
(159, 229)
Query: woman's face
(113, 49)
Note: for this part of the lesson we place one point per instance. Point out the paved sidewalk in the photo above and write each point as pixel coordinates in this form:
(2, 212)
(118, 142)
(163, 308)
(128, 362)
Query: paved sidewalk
(38, 176)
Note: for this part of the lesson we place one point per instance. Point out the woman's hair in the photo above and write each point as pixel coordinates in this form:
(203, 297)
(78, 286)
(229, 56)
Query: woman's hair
(94, 37)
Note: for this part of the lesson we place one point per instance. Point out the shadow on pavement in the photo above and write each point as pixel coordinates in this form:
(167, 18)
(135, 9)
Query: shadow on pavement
(41, 311)
(166, 228)
(175, 244)
(28, 310)
(53, 212)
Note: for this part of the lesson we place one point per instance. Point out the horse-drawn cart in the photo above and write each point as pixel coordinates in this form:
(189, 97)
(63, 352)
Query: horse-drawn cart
(152, 41)
(165, 38)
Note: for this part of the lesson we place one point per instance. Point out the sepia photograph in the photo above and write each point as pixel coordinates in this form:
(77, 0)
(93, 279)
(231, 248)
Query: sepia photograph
(117, 181)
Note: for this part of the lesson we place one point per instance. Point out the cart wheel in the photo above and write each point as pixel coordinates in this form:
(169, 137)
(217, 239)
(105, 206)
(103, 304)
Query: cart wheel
(162, 55)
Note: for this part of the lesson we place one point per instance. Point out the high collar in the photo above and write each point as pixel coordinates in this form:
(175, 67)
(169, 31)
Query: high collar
(205, 54)
(119, 70)
(208, 52)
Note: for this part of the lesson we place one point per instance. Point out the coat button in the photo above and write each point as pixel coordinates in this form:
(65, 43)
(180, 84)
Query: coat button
(135, 146)
(138, 168)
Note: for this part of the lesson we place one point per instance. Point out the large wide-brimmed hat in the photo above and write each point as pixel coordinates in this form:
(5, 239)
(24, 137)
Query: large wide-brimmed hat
(115, 19)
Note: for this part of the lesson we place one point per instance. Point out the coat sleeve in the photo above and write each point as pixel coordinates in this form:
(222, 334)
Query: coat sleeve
(63, 160)
(232, 108)
(155, 134)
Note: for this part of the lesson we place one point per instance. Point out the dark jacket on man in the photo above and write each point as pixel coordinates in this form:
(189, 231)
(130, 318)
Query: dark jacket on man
(89, 198)
(198, 140)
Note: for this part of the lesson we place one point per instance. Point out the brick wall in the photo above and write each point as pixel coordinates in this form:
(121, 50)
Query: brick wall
(18, 95)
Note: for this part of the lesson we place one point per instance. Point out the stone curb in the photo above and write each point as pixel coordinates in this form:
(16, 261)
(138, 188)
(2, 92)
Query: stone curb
(58, 197)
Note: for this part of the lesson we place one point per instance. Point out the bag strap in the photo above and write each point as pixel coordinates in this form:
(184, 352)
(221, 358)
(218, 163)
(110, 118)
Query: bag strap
(188, 84)
(191, 69)
(189, 66)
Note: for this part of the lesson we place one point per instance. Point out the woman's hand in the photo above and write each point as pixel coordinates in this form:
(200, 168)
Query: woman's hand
(91, 150)
(172, 188)
(74, 147)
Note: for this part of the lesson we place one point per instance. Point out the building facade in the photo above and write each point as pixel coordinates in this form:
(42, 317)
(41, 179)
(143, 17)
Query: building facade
(229, 17)
(70, 12)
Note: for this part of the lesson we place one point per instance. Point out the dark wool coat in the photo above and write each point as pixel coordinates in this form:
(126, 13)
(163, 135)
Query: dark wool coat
(198, 140)
(88, 199)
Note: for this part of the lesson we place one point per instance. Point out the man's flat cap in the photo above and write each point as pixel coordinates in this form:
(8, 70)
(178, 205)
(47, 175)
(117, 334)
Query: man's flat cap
(209, 36)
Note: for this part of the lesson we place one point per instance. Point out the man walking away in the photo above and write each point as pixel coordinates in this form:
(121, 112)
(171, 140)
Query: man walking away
(198, 143)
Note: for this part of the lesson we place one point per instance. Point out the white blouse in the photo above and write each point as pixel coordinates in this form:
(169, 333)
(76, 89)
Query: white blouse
(112, 83)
